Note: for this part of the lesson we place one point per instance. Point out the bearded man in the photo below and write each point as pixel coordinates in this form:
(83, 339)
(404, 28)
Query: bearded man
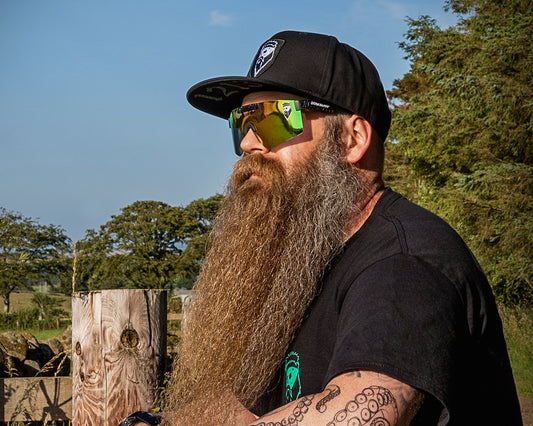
(326, 298)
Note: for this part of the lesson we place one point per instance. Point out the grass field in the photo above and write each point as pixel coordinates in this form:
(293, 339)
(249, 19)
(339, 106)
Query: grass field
(42, 335)
(23, 300)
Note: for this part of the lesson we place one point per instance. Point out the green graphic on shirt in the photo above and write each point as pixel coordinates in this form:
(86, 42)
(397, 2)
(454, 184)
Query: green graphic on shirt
(293, 387)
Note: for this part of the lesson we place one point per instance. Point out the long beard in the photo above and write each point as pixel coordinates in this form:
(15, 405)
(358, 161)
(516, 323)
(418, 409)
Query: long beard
(271, 245)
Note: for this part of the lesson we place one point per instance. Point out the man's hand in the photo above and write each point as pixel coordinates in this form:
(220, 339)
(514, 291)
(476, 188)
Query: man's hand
(356, 397)
(140, 418)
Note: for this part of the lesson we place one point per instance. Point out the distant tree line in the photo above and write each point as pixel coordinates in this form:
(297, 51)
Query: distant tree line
(460, 145)
(150, 244)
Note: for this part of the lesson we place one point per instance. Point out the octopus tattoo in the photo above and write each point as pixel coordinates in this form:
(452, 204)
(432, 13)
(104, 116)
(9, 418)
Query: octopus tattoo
(365, 408)
(334, 391)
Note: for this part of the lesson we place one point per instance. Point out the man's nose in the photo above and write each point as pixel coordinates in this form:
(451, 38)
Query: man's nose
(252, 144)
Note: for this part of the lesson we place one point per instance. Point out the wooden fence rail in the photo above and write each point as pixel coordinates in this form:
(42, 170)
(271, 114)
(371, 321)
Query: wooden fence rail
(35, 399)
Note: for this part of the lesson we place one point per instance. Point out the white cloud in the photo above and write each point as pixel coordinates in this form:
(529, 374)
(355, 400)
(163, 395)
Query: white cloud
(220, 19)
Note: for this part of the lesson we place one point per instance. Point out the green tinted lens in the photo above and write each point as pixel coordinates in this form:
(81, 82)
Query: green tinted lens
(274, 122)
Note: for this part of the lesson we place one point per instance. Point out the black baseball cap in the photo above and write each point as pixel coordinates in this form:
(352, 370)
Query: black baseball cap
(315, 66)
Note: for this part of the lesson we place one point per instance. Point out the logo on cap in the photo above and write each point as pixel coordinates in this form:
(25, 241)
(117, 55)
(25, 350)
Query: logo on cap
(266, 56)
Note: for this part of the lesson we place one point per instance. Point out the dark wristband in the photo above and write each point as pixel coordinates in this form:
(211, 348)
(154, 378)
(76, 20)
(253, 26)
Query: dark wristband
(140, 416)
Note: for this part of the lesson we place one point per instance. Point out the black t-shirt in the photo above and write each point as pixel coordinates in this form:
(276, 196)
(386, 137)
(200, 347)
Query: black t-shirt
(406, 298)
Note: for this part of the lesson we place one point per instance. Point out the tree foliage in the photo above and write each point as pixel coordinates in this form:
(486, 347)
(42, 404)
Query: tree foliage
(462, 128)
(49, 307)
(149, 245)
(30, 253)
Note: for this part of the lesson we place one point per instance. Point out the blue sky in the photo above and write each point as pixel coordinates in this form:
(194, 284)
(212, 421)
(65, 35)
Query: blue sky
(93, 114)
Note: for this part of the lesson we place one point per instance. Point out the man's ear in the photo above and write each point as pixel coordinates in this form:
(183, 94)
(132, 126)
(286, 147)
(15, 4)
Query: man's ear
(357, 137)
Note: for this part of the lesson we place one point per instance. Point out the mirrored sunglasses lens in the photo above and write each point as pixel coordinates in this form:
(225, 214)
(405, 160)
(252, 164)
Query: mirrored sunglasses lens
(237, 139)
(274, 122)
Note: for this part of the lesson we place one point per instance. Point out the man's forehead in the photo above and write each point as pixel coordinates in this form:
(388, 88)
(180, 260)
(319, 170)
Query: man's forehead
(256, 97)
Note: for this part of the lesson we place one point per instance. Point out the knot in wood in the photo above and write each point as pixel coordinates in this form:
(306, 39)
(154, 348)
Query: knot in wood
(129, 338)
(78, 348)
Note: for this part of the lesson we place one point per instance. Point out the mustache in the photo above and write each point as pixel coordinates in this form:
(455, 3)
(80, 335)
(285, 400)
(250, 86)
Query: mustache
(268, 169)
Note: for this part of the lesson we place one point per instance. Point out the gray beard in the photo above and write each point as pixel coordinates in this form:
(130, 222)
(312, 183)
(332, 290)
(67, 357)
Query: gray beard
(272, 243)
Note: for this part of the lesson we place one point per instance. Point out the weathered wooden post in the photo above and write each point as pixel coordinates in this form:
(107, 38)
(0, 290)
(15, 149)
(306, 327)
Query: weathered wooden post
(118, 353)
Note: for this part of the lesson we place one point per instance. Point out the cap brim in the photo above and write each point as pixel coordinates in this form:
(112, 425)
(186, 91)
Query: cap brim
(218, 96)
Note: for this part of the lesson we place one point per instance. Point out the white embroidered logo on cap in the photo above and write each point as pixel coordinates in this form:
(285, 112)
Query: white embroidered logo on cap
(266, 56)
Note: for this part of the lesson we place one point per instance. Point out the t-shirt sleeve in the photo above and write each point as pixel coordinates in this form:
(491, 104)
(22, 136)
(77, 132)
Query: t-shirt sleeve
(402, 318)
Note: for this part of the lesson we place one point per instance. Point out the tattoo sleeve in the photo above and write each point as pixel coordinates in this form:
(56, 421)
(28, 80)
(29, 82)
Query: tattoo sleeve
(380, 401)
(363, 409)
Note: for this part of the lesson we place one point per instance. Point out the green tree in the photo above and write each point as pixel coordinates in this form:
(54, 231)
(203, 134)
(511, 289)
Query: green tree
(49, 307)
(149, 245)
(462, 128)
(30, 253)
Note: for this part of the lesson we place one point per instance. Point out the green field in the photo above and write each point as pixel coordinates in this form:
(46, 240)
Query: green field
(23, 300)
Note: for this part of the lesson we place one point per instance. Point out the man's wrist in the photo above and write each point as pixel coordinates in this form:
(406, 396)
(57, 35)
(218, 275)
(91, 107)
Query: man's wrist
(142, 417)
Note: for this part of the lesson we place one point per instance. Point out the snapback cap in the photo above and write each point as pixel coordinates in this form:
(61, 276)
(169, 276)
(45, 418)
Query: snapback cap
(314, 66)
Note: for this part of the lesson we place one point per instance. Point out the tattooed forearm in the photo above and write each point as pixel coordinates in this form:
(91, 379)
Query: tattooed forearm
(370, 399)
(334, 391)
(299, 411)
(366, 408)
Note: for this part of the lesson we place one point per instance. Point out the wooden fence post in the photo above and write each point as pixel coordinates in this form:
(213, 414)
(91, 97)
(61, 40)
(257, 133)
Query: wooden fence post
(118, 353)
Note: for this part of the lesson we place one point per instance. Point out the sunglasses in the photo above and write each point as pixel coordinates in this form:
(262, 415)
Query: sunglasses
(274, 122)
